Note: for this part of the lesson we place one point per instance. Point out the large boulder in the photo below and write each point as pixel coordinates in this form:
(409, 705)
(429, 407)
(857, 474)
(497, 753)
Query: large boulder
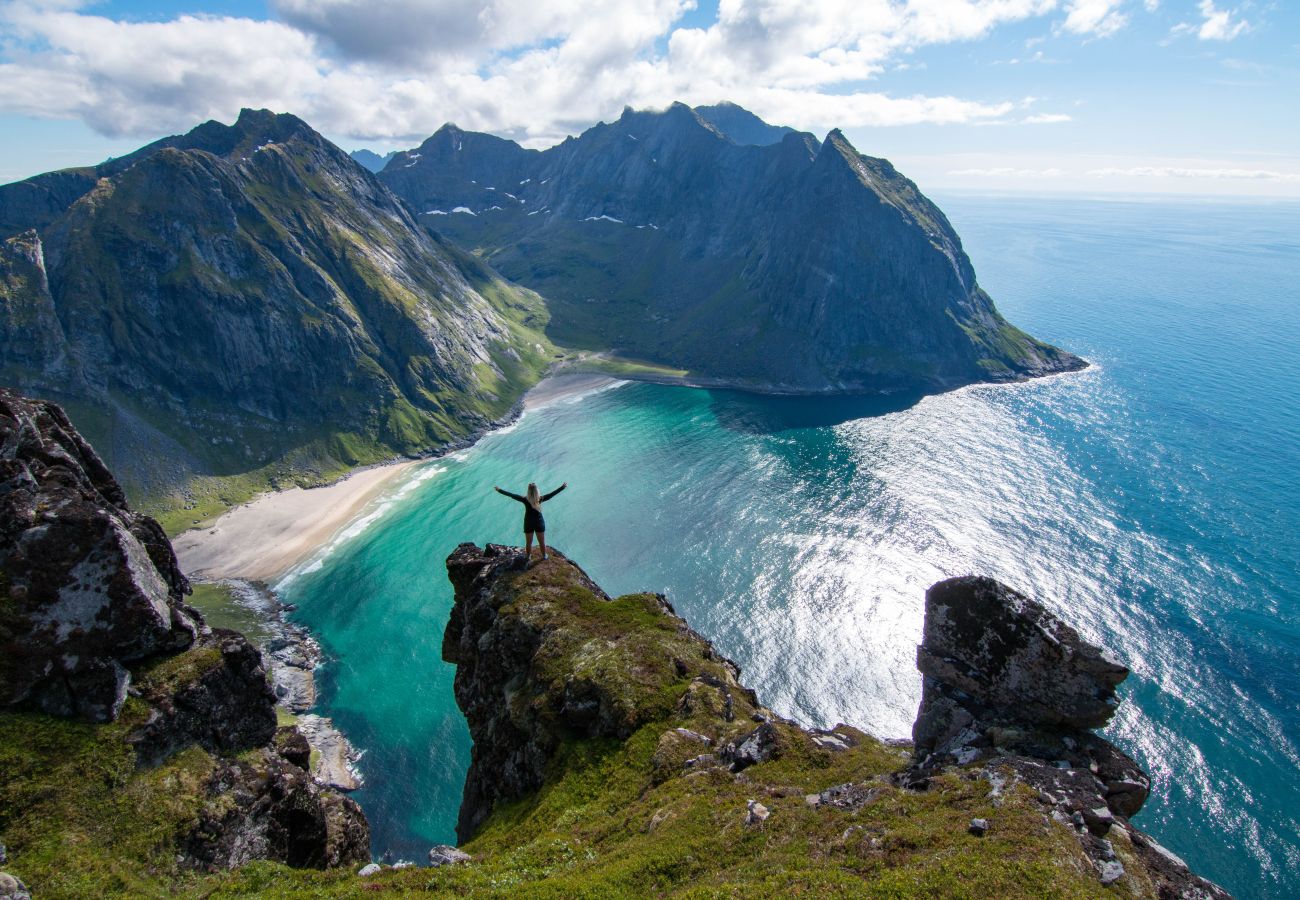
(992, 656)
(260, 805)
(1004, 678)
(87, 586)
(215, 695)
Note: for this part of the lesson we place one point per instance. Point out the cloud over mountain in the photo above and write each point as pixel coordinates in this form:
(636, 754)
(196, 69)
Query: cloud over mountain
(533, 69)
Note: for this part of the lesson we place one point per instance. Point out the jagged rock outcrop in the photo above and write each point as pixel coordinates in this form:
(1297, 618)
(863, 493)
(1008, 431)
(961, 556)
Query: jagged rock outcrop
(1008, 685)
(247, 294)
(216, 696)
(93, 625)
(520, 705)
(708, 240)
(90, 586)
(265, 806)
(608, 728)
(992, 657)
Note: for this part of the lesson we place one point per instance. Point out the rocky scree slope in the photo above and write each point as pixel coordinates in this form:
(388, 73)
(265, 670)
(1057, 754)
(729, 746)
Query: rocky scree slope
(139, 748)
(616, 753)
(709, 240)
(246, 301)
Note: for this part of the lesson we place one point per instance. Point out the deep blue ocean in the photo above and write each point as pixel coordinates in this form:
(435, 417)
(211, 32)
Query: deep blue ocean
(1152, 501)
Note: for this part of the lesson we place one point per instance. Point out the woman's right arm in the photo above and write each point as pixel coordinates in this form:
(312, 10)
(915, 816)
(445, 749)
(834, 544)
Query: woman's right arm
(510, 495)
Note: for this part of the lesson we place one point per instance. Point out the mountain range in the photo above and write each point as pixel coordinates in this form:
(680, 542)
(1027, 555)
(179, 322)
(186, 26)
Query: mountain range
(247, 299)
(706, 240)
(246, 305)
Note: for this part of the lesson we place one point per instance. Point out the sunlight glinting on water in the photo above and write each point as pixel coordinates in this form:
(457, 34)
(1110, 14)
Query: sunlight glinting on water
(1136, 499)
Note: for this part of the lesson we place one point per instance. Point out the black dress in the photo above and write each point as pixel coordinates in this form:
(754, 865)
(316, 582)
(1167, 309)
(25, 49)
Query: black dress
(533, 520)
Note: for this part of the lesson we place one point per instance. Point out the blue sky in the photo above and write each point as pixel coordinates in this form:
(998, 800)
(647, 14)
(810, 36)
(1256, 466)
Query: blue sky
(1166, 96)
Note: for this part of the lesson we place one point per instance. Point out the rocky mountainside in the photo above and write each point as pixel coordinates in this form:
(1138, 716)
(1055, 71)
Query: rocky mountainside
(711, 241)
(246, 300)
(138, 746)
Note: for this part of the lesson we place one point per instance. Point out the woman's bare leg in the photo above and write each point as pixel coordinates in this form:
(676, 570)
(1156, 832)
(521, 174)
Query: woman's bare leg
(541, 542)
(528, 545)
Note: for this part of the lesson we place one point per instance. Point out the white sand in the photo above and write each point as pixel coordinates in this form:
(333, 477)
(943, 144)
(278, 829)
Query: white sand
(557, 387)
(263, 539)
(267, 537)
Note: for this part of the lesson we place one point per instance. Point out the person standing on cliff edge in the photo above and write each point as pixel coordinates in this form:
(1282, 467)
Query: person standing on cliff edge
(533, 521)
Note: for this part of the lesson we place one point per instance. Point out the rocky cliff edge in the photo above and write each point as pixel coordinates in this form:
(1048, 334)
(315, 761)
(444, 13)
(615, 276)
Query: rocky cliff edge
(618, 752)
(138, 746)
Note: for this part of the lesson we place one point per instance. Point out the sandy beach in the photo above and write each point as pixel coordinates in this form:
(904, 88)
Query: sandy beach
(558, 387)
(265, 538)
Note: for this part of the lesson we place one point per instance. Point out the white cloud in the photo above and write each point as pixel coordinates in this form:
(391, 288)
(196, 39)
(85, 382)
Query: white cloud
(1098, 17)
(1184, 172)
(1047, 119)
(1216, 24)
(1009, 172)
(534, 70)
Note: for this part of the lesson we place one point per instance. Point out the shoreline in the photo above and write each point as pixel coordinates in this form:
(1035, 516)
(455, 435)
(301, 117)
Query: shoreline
(588, 366)
(263, 539)
(266, 538)
(256, 544)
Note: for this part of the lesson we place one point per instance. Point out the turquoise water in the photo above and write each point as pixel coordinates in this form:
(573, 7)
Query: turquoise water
(1151, 500)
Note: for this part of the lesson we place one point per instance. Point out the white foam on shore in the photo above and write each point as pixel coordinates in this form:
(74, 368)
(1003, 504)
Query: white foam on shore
(564, 388)
(375, 511)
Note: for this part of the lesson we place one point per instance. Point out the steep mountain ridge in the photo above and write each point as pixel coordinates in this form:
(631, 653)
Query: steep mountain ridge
(774, 261)
(247, 299)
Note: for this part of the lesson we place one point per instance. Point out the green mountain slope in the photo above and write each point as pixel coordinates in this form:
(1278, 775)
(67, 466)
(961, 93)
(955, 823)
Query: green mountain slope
(245, 305)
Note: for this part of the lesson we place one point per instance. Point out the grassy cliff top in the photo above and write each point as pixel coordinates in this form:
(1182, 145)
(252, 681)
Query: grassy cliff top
(680, 784)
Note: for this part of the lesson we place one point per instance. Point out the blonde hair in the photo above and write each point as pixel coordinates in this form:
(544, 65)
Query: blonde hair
(534, 496)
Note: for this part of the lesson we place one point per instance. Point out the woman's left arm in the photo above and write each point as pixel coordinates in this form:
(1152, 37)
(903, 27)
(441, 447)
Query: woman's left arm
(546, 497)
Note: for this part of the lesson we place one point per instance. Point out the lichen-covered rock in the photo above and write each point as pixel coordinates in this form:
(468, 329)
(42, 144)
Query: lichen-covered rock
(215, 695)
(89, 586)
(292, 746)
(1009, 685)
(12, 888)
(1008, 654)
(93, 626)
(260, 806)
(532, 675)
(443, 855)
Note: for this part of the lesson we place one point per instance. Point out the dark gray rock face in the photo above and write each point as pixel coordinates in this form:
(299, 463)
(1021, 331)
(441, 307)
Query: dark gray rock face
(1002, 673)
(91, 608)
(223, 703)
(89, 585)
(708, 240)
(1003, 656)
(1008, 685)
(265, 807)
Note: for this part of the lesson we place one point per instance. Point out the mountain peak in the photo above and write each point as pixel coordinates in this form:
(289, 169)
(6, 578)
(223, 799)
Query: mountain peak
(741, 125)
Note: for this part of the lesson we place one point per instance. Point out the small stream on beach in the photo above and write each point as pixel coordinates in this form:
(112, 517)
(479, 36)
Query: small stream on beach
(1151, 501)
